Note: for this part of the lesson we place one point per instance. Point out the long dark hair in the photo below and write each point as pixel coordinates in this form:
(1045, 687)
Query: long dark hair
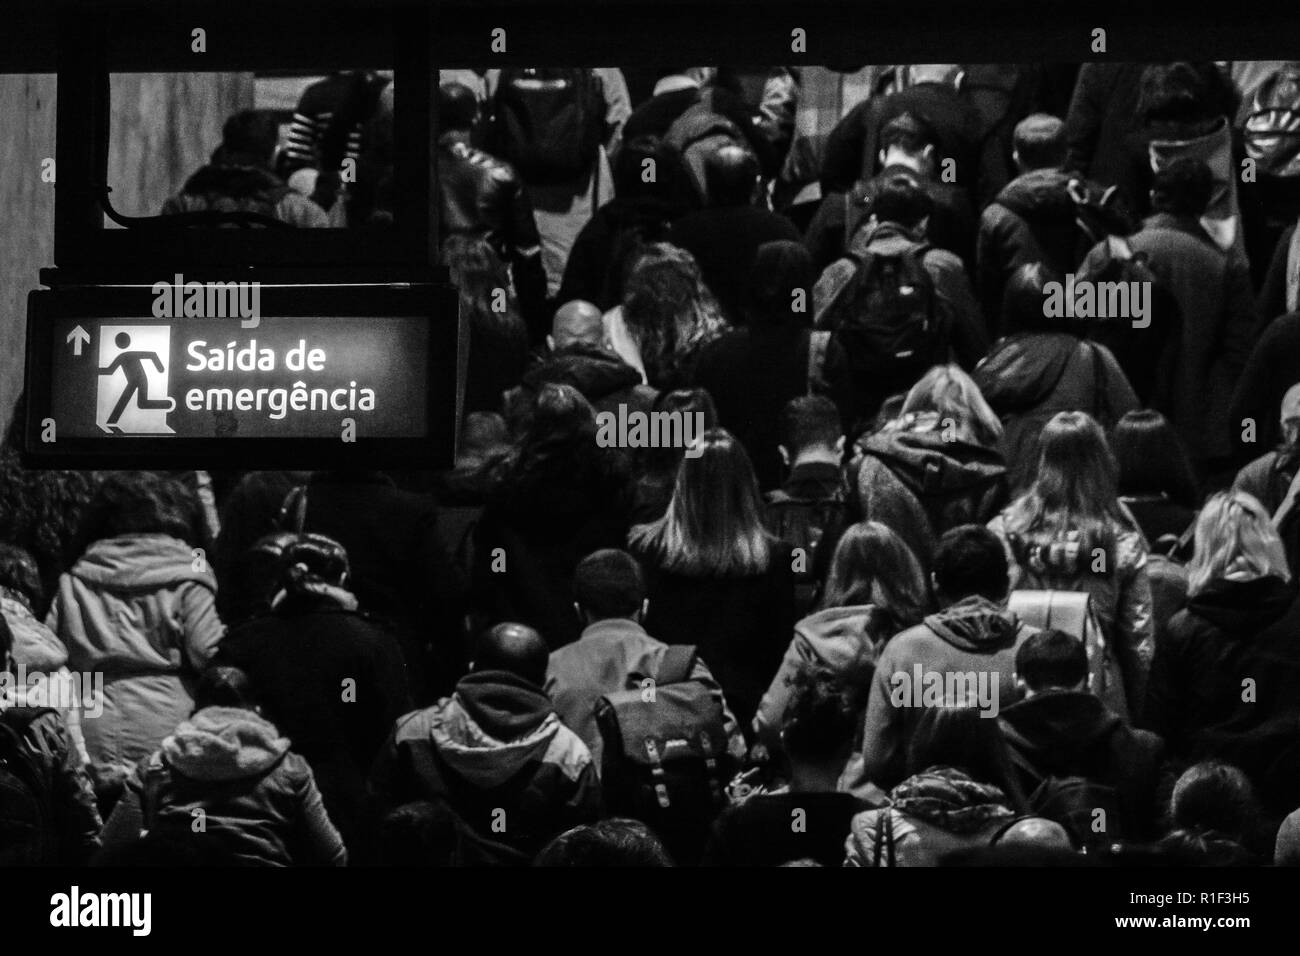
(1152, 459)
(143, 502)
(959, 737)
(873, 565)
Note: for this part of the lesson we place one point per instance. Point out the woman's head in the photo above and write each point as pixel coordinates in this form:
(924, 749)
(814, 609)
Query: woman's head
(681, 401)
(825, 712)
(951, 394)
(781, 271)
(1213, 797)
(143, 502)
(312, 562)
(669, 310)
(963, 738)
(713, 525)
(482, 278)
(1077, 483)
(1151, 458)
(20, 576)
(1235, 541)
(873, 565)
(224, 687)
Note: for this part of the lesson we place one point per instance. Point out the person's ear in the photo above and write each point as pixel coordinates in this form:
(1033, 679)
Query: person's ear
(934, 585)
(839, 446)
(1020, 684)
(880, 158)
(550, 342)
(645, 609)
(1015, 157)
(785, 455)
(923, 227)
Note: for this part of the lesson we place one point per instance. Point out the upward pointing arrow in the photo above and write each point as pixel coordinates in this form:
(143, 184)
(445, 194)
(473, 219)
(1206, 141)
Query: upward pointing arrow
(77, 336)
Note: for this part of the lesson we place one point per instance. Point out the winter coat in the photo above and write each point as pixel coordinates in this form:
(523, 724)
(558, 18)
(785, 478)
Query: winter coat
(1063, 733)
(230, 768)
(499, 756)
(142, 611)
(1269, 479)
(1196, 676)
(1029, 377)
(921, 485)
(603, 660)
(1272, 368)
(232, 188)
(972, 637)
(303, 659)
(836, 638)
(604, 379)
(1121, 597)
(931, 814)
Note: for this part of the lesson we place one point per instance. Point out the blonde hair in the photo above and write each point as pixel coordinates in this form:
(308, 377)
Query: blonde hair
(1235, 540)
(950, 393)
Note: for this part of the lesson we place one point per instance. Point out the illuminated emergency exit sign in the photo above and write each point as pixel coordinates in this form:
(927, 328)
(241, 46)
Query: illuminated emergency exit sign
(329, 385)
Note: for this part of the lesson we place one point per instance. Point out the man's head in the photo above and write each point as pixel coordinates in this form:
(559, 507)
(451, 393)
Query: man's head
(1213, 797)
(968, 561)
(934, 73)
(811, 427)
(823, 715)
(576, 323)
(457, 107)
(731, 176)
(1039, 143)
(20, 576)
(249, 138)
(1051, 660)
(224, 687)
(514, 648)
(1183, 188)
(614, 842)
(900, 200)
(609, 584)
(907, 140)
(1291, 416)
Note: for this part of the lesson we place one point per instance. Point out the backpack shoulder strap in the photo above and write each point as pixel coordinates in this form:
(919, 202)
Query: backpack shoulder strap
(676, 664)
(883, 851)
(1293, 270)
(818, 341)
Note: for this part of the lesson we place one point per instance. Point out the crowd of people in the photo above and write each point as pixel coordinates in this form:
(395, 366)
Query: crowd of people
(945, 576)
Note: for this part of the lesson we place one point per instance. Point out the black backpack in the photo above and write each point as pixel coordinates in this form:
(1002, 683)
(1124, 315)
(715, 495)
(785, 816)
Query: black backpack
(665, 759)
(805, 523)
(1096, 212)
(1074, 802)
(549, 123)
(26, 812)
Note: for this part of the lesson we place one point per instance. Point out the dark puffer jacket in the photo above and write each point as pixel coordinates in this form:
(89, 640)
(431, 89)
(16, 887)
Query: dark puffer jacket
(224, 187)
(601, 376)
(257, 799)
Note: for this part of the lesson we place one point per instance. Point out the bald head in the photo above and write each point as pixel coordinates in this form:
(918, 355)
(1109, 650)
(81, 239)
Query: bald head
(1037, 831)
(577, 322)
(730, 176)
(933, 72)
(515, 648)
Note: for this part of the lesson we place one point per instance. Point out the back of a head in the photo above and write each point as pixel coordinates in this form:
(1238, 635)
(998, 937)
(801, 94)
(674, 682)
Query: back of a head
(900, 200)
(482, 436)
(1183, 188)
(731, 176)
(960, 738)
(1036, 832)
(223, 686)
(810, 421)
(908, 133)
(457, 107)
(1152, 459)
(1235, 537)
(1076, 464)
(685, 402)
(577, 323)
(20, 576)
(143, 502)
(970, 560)
(1173, 93)
(515, 648)
(825, 711)
(1214, 797)
(1052, 659)
(1023, 298)
(312, 559)
(609, 584)
(1039, 142)
(781, 270)
(951, 394)
(421, 833)
(561, 416)
(250, 136)
(617, 842)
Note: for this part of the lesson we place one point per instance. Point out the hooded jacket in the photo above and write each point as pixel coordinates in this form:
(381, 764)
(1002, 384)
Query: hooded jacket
(1196, 676)
(497, 754)
(604, 379)
(230, 187)
(835, 638)
(1063, 733)
(973, 637)
(136, 609)
(921, 485)
(1029, 377)
(259, 801)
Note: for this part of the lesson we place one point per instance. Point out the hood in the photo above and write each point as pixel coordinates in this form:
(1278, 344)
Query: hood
(238, 182)
(928, 465)
(593, 371)
(1023, 370)
(884, 239)
(947, 798)
(35, 646)
(838, 635)
(1241, 609)
(224, 743)
(975, 624)
(1040, 191)
(140, 562)
(494, 725)
(1052, 729)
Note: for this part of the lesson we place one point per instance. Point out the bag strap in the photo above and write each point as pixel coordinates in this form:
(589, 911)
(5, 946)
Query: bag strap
(1101, 409)
(818, 341)
(883, 842)
(293, 510)
(1293, 270)
(676, 664)
(1288, 501)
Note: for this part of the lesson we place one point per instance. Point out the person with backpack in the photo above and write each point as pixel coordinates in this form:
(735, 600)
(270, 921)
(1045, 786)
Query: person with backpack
(482, 196)
(972, 633)
(1073, 755)
(1047, 214)
(935, 465)
(231, 768)
(725, 235)
(1067, 532)
(495, 753)
(908, 148)
(958, 792)
(897, 305)
(875, 588)
(330, 678)
(1040, 368)
(776, 348)
(238, 179)
(615, 653)
(48, 813)
(1215, 304)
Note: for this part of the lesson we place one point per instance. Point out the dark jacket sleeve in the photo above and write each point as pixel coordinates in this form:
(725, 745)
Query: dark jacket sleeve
(127, 820)
(844, 158)
(1272, 294)
(1083, 122)
(968, 333)
(824, 238)
(76, 814)
(524, 247)
(317, 841)
(1259, 391)
(1164, 710)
